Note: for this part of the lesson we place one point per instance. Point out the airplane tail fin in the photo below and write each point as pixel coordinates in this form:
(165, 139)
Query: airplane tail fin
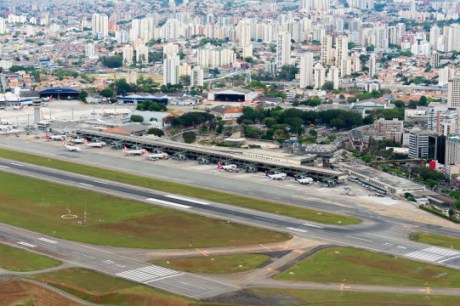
(219, 166)
(125, 148)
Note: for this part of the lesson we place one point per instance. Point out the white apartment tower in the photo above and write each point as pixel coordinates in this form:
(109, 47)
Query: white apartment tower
(326, 47)
(171, 70)
(2, 26)
(142, 54)
(90, 52)
(306, 70)
(100, 25)
(453, 95)
(342, 54)
(372, 68)
(283, 49)
(128, 54)
(197, 77)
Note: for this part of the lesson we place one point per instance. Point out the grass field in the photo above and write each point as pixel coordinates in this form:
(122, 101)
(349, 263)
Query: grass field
(215, 264)
(354, 266)
(186, 190)
(22, 293)
(38, 205)
(19, 260)
(102, 289)
(439, 240)
(287, 297)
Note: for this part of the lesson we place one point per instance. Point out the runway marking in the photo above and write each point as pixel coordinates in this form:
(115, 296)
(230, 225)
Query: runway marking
(313, 225)
(84, 255)
(296, 229)
(16, 164)
(99, 182)
(401, 247)
(434, 254)
(85, 185)
(187, 199)
(358, 238)
(204, 253)
(4, 167)
(388, 244)
(450, 258)
(47, 240)
(26, 244)
(108, 261)
(148, 274)
(267, 248)
(168, 203)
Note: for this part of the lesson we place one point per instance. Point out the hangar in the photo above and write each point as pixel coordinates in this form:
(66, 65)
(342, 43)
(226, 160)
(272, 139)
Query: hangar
(232, 95)
(60, 93)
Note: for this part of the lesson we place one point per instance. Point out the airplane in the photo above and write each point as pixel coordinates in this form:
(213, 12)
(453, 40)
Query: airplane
(71, 148)
(276, 176)
(76, 140)
(304, 180)
(229, 168)
(6, 122)
(134, 152)
(159, 155)
(5, 128)
(55, 137)
(98, 144)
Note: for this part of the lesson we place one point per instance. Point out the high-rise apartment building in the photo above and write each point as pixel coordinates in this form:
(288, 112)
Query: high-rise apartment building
(2, 26)
(171, 70)
(128, 55)
(326, 47)
(283, 49)
(196, 78)
(100, 25)
(306, 70)
(372, 67)
(342, 54)
(453, 150)
(453, 94)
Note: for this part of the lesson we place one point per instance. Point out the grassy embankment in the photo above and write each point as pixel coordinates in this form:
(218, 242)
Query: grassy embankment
(355, 266)
(438, 240)
(39, 206)
(182, 189)
(19, 260)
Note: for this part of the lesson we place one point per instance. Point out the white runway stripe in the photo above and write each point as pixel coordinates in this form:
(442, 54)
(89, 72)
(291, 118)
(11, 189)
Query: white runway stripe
(187, 199)
(168, 203)
(148, 274)
(433, 254)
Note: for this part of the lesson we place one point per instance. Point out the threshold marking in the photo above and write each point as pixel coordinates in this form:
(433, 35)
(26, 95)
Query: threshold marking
(16, 164)
(168, 203)
(85, 185)
(187, 199)
(313, 225)
(99, 182)
(47, 240)
(26, 244)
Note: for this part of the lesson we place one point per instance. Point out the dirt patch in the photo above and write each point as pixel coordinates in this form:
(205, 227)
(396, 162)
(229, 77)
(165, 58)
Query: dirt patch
(21, 293)
(246, 297)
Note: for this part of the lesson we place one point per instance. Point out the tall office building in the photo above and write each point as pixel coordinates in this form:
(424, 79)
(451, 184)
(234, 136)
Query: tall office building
(196, 77)
(2, 26)
(418, 144)
(100, 25)
(326, 47)
(342, 54)
(434, 60)
(372, 68)
(283, 49)
(306, 70)
(171, 70)
(453, 94)
(453, 150)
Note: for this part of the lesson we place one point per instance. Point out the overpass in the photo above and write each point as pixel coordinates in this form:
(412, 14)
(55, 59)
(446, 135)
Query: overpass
(182, 151)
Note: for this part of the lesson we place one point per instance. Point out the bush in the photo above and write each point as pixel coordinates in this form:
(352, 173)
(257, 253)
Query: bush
(155, 131)
(137, 118)
(189, 137)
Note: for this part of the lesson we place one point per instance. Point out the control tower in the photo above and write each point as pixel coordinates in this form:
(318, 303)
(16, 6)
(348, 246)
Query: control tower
(37, 114)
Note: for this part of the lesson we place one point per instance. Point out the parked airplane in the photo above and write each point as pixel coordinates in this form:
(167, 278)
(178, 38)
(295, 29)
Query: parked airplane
(76, 140)
(304, 180)
(6, 122)
(5, 128)
(71, 148)
(276, 176)
(55, 137)
(159, 155)
(134, 152)
(98, 144)
(229, 168)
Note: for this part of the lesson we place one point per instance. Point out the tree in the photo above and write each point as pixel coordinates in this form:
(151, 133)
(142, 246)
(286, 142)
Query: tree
(399, 103)
(156, 131)
(185, 80)
(106, 92)
(328, 86)
(288, 72)
(137, 118)
(313, 133)
(189, 137)
(423, 101)
(112, 61)
(83, 95)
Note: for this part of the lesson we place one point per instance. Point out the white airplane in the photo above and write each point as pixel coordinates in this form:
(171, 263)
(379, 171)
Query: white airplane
(304, 180)
(5, 128)
(98, 144)
(76, 140)
(71, 148)
(159, 155)
(229, 168)
(276, 176)
(55, 137)
(134, 152)
(6, 122)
